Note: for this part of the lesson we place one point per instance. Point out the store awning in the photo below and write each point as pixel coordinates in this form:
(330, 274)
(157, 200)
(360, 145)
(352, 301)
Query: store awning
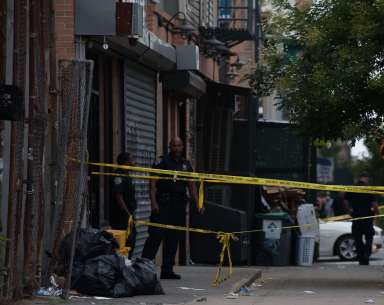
(185, 82)
(225, 95)
(225, 89)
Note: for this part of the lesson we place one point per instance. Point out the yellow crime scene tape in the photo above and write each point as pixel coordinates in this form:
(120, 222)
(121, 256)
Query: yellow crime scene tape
(204, 177)
(153, 177)
(225, 238)
(374, 189)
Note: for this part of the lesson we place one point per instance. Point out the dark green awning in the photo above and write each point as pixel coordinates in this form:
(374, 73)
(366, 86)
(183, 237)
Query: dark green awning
(185, 82)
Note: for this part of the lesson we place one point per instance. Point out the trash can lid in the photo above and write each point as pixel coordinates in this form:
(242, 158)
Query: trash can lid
(274, 215)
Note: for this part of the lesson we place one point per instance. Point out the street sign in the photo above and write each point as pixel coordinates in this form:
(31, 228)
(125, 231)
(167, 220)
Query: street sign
(11, 103)
(325, 168)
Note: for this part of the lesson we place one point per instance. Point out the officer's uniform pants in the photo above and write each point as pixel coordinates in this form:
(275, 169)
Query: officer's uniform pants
(172, 211)
(360, 229)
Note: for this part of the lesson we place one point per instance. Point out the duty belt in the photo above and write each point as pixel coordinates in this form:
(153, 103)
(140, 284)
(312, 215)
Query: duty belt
(171, 196)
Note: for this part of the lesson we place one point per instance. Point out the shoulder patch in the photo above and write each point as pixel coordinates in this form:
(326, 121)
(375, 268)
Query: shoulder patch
(118, 180)
(158, 161)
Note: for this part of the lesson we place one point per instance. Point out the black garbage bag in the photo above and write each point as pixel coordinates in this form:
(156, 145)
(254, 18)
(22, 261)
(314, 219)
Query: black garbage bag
(90, 243)
(77, 271)
(140, 278)
(145, 271)
(125, 287)
(108, 276)
(99, 275)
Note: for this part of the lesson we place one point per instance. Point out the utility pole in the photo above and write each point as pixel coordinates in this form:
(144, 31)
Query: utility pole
(254, 9)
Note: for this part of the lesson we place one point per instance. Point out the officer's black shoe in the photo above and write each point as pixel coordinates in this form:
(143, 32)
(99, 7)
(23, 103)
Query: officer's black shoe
(169, 276)
(364, 262)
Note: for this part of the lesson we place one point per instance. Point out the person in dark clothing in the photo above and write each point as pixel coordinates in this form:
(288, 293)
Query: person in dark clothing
(124, 200)
(340, 205)
(168, 203)
(321, 202)
(363, 205)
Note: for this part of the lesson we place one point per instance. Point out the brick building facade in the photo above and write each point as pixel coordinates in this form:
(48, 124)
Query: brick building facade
(139, 100)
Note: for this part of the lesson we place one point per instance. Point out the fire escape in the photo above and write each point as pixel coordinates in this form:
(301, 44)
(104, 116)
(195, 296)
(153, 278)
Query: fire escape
(235, 22)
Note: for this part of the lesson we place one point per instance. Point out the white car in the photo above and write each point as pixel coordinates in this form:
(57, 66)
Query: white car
(336, 240)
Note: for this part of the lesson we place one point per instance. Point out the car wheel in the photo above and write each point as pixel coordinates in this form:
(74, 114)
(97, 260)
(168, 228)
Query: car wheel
(346, 248)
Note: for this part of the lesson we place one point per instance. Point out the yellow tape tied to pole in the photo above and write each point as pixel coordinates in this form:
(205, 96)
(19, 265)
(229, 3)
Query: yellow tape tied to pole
(131, 223)
(223, 237)
(225, 241)
(200, 203)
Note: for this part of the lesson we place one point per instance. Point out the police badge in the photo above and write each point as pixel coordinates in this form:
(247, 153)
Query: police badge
(118, 180)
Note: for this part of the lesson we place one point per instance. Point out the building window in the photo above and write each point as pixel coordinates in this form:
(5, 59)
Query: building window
(224, 9)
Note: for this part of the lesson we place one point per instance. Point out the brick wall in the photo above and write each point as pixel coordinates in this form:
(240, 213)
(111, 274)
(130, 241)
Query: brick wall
(64, 27)
(246, 52)
(150, 17)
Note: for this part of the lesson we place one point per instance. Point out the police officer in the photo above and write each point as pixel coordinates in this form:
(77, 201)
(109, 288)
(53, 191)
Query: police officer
(168, 203)
(124, 200)
(363, 205)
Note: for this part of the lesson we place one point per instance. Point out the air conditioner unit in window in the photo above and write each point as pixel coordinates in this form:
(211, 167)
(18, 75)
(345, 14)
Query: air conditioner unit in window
(130, 18)
(109, 17)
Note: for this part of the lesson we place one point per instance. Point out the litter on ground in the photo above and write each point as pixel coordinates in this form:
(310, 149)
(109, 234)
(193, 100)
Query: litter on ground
(190, 288)
(232, 296)
(309, 292)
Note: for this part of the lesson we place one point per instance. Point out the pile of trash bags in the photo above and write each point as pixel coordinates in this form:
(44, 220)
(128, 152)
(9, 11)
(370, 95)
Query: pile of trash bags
(99, 270)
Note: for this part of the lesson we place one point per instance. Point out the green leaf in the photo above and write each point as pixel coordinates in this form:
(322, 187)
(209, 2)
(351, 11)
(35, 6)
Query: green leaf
(330, 70)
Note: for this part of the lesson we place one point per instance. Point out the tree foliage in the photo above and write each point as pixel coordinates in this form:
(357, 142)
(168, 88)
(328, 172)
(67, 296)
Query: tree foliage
(373, 164)
(326, 61)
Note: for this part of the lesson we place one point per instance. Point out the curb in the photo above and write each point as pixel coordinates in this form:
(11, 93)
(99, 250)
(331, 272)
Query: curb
(246, 282)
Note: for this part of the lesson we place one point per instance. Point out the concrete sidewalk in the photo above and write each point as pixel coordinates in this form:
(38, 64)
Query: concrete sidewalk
(195, 285)
(322, 284)
(317, 285)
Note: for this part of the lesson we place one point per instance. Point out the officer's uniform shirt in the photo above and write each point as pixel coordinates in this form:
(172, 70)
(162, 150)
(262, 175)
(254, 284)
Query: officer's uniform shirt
(360, 203)
(170, 186)
(125, 186)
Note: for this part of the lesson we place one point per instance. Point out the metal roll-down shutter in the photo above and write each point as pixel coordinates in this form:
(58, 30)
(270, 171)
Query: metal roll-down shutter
(140, 133)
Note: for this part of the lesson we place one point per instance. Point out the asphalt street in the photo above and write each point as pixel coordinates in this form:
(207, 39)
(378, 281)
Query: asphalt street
(377, 259)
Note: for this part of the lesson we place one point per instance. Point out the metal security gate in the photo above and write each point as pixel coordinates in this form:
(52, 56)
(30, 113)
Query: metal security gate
(140, 133)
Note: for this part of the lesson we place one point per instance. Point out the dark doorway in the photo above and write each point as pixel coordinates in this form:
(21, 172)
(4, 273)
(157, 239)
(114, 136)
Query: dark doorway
(100, 137)
(94, 143)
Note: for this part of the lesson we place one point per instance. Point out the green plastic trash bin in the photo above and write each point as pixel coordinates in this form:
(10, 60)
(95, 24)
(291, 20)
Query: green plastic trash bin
(272, 245)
